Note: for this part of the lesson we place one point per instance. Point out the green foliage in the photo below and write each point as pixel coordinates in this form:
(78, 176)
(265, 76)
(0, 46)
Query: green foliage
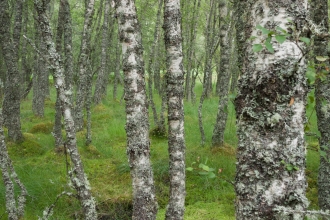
(202, 169)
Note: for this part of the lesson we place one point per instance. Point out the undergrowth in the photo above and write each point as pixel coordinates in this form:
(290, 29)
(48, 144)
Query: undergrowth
(43, 171)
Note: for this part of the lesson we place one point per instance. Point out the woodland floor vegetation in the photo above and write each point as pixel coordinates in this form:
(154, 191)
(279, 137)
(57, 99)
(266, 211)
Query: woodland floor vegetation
(43, 171)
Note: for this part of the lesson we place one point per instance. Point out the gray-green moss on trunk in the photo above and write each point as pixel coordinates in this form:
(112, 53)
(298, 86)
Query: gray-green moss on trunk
(270, 108)
(137, 121)
(175, 96)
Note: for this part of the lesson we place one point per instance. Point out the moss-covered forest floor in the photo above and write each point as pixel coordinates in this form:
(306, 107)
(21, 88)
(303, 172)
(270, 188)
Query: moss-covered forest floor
(43, 171)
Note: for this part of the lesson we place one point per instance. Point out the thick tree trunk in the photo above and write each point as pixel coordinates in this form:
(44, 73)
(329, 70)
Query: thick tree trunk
(322, 95)
(11, 103)
(137, 122)
(118, 77)
(175, 80)
(77, 175)
(270, 108)
(102, 78)
(83, 61)
(223, 75)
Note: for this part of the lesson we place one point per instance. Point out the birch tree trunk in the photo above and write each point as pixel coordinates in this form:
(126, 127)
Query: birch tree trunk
(322, 95)
(102, 78)
(137, 122)
(77, 175)
(270, 108)
(83, 61)
(14, 206)
(175, 80)
(11, 103)
(223, 76)
(191, 49)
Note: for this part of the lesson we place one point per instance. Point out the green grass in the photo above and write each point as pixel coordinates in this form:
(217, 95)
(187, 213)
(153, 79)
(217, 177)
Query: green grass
(44, 172)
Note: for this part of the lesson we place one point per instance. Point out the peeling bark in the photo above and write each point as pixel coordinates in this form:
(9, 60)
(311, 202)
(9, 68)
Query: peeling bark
(175, 80)
(270, 108)
(137, 122)
(77, 175)
(322, 95)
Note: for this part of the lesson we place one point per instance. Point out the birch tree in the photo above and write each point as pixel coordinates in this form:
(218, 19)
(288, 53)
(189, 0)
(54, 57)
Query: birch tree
(223, 76)
(175, 79)
(77, 175)
(137, 122)
(9, 47)
(83, 68)
(101, 83)
(322, 95)
(270, 108)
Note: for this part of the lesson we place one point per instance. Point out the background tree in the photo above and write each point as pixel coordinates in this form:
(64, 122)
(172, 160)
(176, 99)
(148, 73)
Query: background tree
(137, 122)
(175, 96)
(224, 74)
(10, 47)
(322, 95)
(270, 108)
(83, 65)
(77, 174)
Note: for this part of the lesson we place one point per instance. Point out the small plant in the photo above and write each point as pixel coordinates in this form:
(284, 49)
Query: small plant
(289, 167)
(202, 169)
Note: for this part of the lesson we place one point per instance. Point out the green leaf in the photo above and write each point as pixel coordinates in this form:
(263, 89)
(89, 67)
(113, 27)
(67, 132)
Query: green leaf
(269, 47)
(206, 168)
(295, 168)
(311, 99)
(289, 167)
(281, 29)
(189, 168)
(203, 173)
(307, 128)
(263, 30)
(322, 59)
(323, 153)
(280, 38)
(211, 175)
(252, 38)
(311, 75)
(257, 47)
(305, 39)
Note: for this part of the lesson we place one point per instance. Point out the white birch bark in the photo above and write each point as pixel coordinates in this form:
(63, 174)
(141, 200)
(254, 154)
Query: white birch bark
(137, 122)
(175, 80)
(270, 110)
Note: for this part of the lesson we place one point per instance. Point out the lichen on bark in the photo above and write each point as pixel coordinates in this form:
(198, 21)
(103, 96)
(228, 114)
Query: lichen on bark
(137, 121)
(270, 108)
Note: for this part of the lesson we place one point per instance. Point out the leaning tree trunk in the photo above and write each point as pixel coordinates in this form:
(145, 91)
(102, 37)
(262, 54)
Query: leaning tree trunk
(175, 79)
(137, 122)
(322, 95)
(102, 77)
(83, 61)
(223, 76)
(11, 103)
(270, 108)
(77, 175)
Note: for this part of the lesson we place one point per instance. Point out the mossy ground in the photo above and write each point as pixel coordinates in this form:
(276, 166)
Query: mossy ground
(43, 171)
